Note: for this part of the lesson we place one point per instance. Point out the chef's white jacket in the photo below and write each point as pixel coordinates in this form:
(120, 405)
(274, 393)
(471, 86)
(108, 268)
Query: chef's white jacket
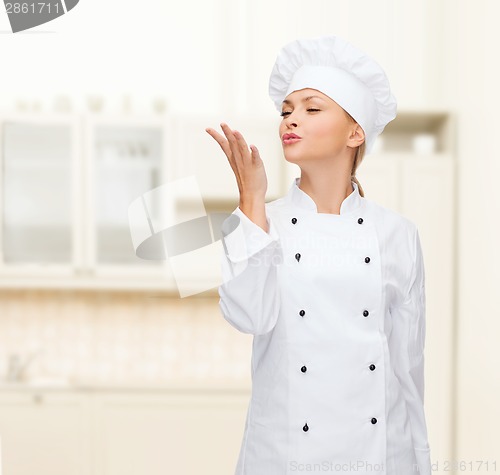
(336, 307)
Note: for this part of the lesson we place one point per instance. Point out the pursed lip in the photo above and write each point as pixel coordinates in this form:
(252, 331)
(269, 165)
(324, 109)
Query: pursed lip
(290, 136)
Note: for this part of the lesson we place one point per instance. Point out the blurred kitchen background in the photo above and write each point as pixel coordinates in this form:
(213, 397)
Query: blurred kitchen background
(105, 367)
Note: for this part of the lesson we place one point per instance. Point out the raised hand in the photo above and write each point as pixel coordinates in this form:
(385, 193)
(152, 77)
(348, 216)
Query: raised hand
(246, 164)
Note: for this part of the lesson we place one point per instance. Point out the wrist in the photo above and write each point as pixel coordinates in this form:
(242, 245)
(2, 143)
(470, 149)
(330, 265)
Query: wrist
(252, 200)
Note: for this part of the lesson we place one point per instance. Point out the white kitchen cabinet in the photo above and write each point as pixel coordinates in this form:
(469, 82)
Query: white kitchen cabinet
(41, 193)
(125, 157)
(107, 431)
(67, 181)
(178, 432)
(126, 163)
(44, 433)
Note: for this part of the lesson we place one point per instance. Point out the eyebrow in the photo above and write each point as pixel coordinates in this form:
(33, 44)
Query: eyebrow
(286, 101)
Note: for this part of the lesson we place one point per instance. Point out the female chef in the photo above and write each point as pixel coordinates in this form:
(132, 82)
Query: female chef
(329, 283)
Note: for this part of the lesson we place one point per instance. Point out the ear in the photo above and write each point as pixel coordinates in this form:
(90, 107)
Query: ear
(356, 137)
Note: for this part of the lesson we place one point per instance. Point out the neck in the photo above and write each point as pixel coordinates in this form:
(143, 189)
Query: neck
(328, 189)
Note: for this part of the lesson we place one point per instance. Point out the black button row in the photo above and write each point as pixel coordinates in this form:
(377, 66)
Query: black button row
(306, 427)
(298, 256)
(294, 220)
(372, 368)
(365, 313)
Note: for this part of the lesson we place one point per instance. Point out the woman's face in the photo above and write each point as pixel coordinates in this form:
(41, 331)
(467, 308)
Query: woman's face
(324, 128)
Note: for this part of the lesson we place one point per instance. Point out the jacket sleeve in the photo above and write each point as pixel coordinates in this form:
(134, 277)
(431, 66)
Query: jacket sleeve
(249, 293)
(409, 338)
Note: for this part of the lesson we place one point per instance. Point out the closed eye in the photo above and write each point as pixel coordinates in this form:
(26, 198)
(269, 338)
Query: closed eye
(283, 114)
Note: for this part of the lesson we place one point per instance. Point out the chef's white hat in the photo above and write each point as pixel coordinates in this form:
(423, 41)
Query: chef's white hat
(344, 73)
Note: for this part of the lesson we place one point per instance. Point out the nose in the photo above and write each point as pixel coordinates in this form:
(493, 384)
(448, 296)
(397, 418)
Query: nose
(290, 121)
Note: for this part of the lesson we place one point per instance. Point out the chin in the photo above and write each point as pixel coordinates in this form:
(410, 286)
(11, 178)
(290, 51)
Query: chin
(294, 156)
(291, 158)
(291, 155)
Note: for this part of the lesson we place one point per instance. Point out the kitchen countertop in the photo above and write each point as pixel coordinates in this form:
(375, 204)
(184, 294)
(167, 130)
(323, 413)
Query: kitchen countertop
(192, 386)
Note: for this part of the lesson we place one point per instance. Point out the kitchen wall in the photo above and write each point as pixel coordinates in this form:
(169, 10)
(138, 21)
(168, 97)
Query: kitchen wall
(117, 338)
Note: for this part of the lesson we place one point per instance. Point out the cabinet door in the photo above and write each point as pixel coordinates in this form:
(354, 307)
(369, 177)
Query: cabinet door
(44, 433)
(126, 158)
(40, 193)
(182, 434)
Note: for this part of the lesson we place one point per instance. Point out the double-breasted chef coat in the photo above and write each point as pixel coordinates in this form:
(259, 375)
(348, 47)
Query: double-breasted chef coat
(336, 307)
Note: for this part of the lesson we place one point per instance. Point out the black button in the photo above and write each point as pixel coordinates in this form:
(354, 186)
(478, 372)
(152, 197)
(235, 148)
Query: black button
(367, 260)
(365, 313)
(360, 220)
(302, 313)
(303, 369)
(372, 367)
(374, 421)
(294, 220)
(297, 256)
(305, 428)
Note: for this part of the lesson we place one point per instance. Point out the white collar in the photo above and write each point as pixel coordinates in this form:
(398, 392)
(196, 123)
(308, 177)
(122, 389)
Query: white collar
(300, 198)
